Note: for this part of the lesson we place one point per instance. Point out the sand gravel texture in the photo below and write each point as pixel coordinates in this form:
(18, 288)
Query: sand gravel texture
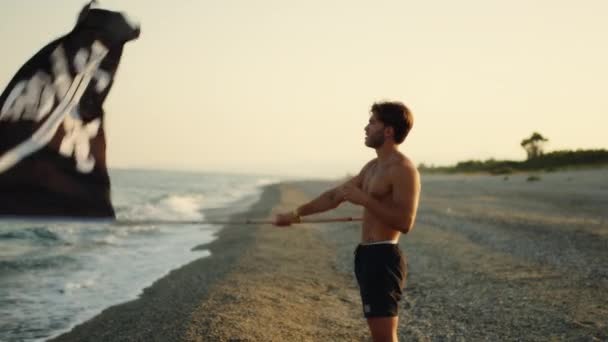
(491, 258)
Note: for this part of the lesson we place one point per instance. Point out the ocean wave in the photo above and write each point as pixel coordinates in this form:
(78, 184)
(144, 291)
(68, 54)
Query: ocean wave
(32, 234)
(110, 239)
(266, 181)
(83, 284)
(38, 263)
(168, 207)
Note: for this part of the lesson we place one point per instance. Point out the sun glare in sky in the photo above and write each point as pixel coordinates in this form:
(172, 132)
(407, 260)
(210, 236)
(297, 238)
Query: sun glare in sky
(285, 87)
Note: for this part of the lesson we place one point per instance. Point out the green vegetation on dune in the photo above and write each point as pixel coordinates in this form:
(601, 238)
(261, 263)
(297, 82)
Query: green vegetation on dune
(546, 162)
(537, 160)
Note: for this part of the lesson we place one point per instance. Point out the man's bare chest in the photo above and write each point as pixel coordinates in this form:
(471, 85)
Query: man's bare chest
(376, 182)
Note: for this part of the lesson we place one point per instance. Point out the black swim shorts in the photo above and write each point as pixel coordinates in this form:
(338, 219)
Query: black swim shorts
(381, 270)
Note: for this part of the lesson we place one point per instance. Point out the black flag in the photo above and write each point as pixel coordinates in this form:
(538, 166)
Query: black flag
(52, 141)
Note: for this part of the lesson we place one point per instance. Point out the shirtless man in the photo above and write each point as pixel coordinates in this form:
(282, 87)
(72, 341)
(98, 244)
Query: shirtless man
(387, 188)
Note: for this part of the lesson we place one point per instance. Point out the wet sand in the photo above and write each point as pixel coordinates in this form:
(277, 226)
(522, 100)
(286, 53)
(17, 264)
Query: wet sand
(491, 258)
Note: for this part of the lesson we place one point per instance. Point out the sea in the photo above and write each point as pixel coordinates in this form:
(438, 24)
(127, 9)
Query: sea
(57, 274)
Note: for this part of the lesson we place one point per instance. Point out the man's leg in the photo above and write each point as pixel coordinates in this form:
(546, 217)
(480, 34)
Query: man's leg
(383, 329)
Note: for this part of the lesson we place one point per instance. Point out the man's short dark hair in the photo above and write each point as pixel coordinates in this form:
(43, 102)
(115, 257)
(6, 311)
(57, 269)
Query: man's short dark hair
(395, 115)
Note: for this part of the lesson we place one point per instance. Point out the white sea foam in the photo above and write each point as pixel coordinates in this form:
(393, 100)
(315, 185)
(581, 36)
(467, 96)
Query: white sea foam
(187, 205)
(85, 284)
(266, 181)
(171, 207)
(109, 239)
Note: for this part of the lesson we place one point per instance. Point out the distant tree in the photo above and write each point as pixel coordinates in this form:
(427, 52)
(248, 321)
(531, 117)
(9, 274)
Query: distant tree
(534, 145)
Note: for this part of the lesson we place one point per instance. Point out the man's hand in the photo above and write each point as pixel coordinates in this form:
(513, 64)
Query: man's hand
(286, 219)
(354, 195)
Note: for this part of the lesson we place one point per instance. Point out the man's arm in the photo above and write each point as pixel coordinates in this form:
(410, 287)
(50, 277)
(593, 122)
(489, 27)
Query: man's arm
(328, 200)
(400, 212)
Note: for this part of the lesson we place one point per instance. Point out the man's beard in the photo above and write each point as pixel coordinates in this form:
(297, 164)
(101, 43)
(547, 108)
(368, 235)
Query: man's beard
(375, 140)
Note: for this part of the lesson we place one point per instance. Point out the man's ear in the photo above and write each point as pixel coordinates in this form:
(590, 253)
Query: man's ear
(389, 131)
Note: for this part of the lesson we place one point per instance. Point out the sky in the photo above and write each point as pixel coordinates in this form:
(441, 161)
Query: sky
(285, 87)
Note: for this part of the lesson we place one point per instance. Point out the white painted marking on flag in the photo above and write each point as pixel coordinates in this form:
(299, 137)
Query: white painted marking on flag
(76, 141)
(11, 105)
(68, 104)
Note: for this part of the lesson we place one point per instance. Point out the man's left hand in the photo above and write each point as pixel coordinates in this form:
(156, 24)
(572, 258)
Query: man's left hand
(354, 195)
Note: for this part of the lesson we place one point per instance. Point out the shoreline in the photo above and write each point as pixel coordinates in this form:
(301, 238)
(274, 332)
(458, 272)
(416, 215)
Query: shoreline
(162, 308)
(284, 288)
